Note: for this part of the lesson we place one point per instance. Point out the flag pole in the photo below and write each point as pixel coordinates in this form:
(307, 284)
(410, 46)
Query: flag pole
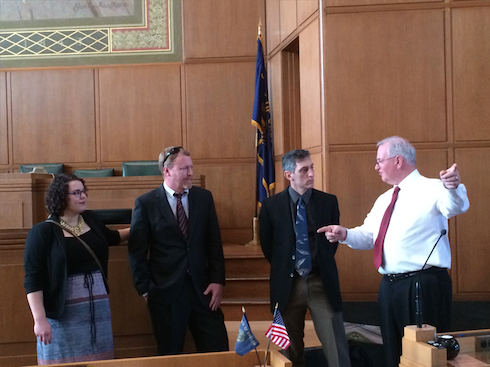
(269, 343)
(257, 353)
(255, 221)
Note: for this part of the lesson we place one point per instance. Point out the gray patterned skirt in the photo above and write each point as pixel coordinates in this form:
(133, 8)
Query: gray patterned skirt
(84, 331)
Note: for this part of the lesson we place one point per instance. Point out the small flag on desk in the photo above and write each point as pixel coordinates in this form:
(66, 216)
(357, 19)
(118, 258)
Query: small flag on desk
(245, 341)
(277, 332)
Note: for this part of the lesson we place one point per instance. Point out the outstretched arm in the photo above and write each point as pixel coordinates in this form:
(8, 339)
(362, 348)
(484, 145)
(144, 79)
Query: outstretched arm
(334, 233)
(450, 177)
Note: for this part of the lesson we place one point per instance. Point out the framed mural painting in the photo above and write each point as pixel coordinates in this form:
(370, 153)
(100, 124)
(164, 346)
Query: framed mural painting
(44, 33)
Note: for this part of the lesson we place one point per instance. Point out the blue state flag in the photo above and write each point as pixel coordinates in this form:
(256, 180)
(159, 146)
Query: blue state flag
(261, 119)
(245, 341)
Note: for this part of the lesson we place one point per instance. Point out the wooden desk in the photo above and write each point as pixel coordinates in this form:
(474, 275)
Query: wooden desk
(22, 198)
(417, 353)
(221, 359)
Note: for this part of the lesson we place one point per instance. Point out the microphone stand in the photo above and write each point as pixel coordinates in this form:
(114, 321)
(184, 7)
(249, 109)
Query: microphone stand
(418, 304)
(418, 294)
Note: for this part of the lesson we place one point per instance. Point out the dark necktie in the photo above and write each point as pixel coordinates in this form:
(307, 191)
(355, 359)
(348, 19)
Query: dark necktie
(181, 217)
(378, 245)
(303, 256)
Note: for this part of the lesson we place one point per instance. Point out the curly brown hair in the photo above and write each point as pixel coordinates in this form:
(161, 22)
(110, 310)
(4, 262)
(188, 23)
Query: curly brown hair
(56, 196)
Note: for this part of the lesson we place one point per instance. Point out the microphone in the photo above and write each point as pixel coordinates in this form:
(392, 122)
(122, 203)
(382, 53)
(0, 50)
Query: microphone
(443, 232)
(418, 305)
(418, 295)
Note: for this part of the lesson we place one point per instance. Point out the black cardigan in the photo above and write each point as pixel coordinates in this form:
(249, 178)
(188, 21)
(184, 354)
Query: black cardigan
(45, 260)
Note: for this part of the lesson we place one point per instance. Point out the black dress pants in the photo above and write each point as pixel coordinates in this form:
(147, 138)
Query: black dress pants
(396, 300)
(170, 323)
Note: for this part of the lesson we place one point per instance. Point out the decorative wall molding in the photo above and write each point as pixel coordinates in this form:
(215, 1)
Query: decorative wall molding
(90, 33)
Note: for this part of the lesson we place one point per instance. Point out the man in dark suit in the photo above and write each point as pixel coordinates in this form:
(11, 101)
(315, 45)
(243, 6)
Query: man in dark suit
(303, 269)
(176, 258)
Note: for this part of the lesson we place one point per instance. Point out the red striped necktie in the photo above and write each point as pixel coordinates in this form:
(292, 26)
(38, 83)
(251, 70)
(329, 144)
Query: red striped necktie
(378, 245)
(181, 217)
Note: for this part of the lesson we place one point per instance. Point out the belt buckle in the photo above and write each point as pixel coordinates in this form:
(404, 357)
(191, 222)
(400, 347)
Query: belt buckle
(392, 277)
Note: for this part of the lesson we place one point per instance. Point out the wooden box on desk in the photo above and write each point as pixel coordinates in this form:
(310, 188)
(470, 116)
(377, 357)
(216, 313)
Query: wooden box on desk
(221, 359)
(415, 350)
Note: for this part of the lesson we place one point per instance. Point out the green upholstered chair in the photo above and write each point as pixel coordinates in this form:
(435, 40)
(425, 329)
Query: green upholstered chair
(54, 168)
(105, 172)
(140, 168)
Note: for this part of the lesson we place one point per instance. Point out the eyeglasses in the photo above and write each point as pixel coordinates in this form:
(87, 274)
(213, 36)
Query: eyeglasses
(379, 161)
(172, 151)
(78, 193)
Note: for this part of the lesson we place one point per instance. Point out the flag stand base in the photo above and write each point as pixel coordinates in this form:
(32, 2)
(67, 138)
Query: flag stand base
(256, 240)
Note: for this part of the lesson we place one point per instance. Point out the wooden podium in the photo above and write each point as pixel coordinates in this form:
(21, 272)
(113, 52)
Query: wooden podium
(416, 352)
(221, 359)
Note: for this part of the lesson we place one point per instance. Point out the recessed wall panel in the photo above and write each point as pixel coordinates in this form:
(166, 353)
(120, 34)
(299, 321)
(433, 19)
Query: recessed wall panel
(219, 101)
(273, 34)
(305, 9)
(234, 198)
(471, 87)
(385, 75)
(472, 227)
(288, 21)
(140, 111)
(276, 102)
(310, 94)
(53, 116)
(221, 28)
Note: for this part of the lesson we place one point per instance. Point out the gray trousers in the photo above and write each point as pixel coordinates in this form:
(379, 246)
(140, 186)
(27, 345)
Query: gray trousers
(308, 293)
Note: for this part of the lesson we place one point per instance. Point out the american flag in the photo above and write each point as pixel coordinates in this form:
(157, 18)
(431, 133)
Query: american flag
(277, 331)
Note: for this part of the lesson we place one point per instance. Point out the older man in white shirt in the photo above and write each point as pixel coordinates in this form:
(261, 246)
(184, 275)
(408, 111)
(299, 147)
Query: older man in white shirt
(415, 222)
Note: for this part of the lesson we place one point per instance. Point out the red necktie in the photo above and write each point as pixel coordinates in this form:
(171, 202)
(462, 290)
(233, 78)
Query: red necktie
(378, 245)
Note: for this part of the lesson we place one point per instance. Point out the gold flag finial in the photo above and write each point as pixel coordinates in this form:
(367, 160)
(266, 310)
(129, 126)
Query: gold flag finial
(259, 30)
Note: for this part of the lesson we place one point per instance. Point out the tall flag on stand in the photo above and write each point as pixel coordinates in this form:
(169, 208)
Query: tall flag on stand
(261, 119)
(277, 331)
(245, 341)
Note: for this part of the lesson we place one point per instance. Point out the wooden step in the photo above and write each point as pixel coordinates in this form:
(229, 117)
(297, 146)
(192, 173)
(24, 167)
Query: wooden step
(238, 267)
(257, 310)
(247, 283)
(246, 288)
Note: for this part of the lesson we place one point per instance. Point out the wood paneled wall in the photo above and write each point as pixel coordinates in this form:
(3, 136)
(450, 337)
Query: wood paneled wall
(98, 117)
(369, 69)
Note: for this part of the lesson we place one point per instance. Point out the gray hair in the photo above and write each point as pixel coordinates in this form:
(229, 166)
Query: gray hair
(290, 158)
(402, 147)
(167, 157)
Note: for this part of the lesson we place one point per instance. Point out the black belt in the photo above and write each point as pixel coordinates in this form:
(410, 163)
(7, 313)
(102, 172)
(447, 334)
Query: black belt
(400, 276)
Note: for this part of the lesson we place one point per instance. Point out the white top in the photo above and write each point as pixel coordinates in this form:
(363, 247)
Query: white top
(421, 211)
(172, 200)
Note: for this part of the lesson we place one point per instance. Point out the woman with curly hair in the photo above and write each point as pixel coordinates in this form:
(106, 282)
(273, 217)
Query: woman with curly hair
(64, 282)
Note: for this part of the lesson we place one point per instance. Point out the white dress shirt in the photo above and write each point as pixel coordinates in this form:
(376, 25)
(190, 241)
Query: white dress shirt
(172, 200)
(421, 211)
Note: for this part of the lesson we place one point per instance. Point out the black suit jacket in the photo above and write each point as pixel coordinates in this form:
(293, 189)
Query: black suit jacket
(278, 242)
(160, 256)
